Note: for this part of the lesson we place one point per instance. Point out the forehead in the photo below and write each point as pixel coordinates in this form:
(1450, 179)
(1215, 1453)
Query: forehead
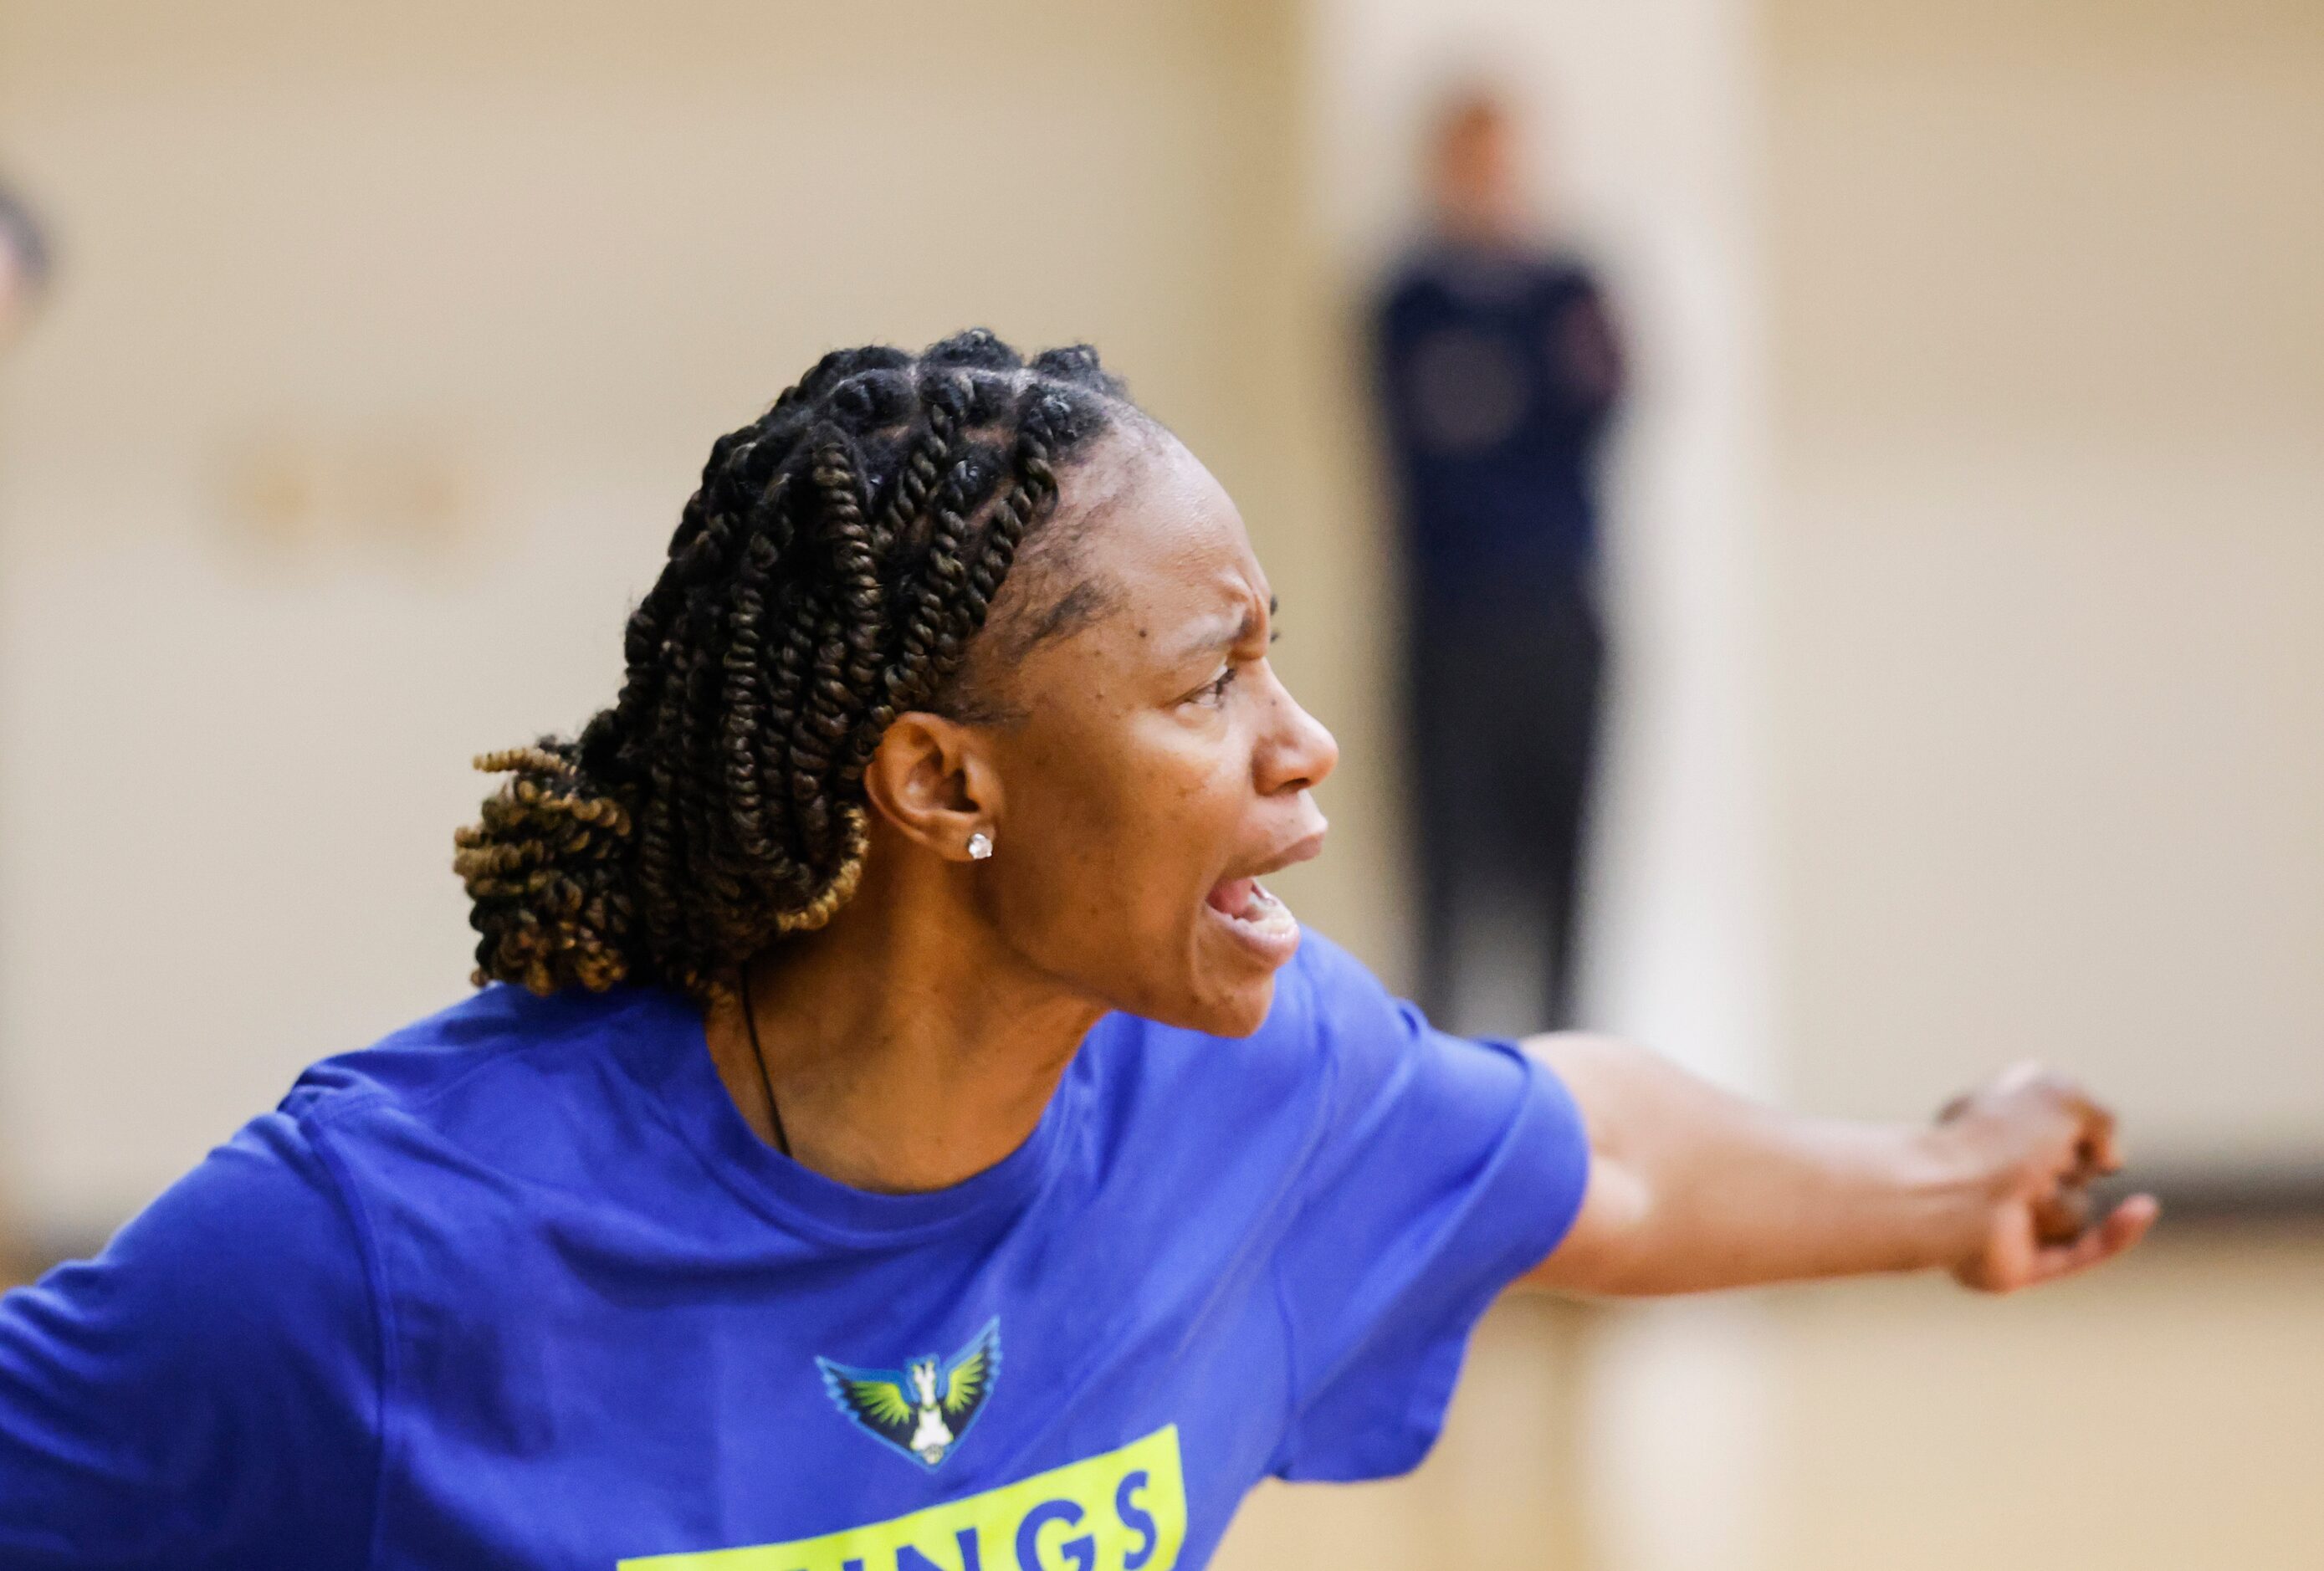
(1154, 532)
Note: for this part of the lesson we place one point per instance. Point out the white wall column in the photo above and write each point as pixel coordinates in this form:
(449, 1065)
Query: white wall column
(1644, 119)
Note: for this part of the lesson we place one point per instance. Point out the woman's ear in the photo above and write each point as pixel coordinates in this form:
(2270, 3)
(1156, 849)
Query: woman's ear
(931, 780)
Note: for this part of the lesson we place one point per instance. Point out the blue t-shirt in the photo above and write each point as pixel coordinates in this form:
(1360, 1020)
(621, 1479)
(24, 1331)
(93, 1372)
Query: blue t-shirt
(518, 1287)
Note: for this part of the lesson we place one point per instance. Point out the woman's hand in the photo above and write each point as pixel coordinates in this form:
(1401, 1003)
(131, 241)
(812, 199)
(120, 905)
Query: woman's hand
(2037, 1140)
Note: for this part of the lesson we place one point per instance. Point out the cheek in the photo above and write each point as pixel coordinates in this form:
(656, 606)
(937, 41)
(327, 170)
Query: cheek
(1121, 854)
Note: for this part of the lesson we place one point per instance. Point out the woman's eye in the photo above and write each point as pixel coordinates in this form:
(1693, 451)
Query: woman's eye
(1211, 692)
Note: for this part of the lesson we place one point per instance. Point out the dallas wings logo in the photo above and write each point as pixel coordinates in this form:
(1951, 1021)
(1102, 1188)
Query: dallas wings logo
(924, 1408)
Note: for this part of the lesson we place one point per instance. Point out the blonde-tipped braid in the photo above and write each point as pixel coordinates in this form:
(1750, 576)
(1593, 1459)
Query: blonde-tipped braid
(819, 911)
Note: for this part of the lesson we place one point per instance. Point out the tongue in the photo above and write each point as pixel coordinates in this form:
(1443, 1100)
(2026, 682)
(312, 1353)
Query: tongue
(1233, 897)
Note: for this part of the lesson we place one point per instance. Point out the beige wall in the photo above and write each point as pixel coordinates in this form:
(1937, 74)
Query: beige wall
(387, 343)
(2049, 554)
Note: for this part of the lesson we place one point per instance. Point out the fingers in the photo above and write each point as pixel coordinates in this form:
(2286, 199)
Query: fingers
(2047, 1140)
(2061, 1215)
(2095, 1119)
(2097, 1147)
(2125, 1226)
(2098, 1151)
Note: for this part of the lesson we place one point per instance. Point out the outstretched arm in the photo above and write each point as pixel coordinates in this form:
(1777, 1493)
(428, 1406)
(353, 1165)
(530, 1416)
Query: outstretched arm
(1692, 1188)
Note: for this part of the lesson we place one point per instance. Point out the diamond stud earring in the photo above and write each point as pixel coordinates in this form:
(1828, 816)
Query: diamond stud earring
(979, 846)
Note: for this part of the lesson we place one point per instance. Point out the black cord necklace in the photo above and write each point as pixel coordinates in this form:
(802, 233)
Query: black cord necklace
(750, 1023)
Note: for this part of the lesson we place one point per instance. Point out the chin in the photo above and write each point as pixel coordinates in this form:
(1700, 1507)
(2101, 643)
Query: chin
(1220, 989)
(1235, 1012)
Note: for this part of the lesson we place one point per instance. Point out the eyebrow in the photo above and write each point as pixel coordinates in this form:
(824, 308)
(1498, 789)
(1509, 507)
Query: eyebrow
(1221, 634)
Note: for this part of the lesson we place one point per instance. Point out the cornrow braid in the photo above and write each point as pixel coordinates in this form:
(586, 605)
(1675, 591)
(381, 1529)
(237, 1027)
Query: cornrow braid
(831, 571)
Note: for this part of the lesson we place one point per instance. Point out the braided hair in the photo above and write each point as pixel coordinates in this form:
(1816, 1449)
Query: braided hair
(841, 554)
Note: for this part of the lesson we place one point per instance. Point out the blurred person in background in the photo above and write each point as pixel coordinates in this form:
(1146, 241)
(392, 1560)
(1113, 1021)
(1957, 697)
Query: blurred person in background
(23, 266)
(1498, 370)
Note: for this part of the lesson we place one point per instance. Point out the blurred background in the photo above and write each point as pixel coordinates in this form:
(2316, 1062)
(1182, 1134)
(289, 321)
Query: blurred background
(1962, 558)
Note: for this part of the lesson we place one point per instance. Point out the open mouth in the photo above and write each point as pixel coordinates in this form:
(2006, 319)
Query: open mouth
(1253, 912)
(1247, 910)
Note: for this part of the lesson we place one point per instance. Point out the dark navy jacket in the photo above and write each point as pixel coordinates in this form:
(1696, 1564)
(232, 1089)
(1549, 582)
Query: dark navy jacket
(1499, 371)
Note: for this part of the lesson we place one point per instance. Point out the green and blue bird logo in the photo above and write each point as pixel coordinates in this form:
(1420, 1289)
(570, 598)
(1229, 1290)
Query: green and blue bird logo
(925, 1408)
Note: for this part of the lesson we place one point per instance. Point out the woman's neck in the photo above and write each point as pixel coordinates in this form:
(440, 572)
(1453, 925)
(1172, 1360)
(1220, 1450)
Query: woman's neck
(905, 1049)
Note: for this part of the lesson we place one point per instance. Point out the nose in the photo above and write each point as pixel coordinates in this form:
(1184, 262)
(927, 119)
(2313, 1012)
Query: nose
(1298, 751)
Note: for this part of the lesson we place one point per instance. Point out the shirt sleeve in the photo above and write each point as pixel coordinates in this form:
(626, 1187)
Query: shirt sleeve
(205, 1393)
(1445, 1168)
(1585, 354)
